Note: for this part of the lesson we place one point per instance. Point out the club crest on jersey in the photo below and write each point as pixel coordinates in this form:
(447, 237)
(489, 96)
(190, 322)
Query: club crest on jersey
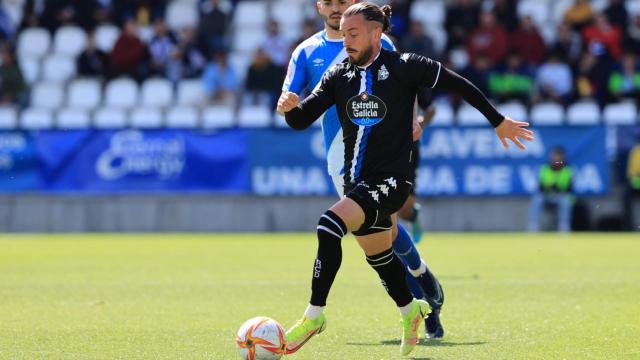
(383, 73)
(366, 109)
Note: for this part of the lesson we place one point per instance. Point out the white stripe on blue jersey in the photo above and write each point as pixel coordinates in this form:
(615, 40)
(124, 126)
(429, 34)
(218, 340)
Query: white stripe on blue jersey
(309, 61)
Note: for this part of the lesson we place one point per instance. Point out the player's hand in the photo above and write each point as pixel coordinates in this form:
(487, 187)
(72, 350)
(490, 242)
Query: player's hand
(514, 131)
(417, 128)
(287, 102)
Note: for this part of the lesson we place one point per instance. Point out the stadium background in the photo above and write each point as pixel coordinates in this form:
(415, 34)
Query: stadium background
(174, 130)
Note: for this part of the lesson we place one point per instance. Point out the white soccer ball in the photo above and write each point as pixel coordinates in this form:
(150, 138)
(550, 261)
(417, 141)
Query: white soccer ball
(261, 338)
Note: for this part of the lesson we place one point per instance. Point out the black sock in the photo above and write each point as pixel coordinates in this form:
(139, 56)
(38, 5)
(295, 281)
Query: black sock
(391, 272)
(331, 230)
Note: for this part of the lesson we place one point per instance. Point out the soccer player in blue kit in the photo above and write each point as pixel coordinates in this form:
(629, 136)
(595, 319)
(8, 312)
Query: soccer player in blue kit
(374, 93)
(309, 62)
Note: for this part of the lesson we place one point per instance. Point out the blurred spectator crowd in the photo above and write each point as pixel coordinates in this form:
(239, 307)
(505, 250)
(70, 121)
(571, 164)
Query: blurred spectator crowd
(162, 62)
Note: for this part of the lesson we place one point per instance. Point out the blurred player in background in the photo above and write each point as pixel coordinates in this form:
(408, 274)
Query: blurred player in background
(374, 93)
(309, 62)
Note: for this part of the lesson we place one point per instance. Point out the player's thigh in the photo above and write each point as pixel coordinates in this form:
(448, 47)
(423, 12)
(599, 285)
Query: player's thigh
(376, 243)
(350, 212)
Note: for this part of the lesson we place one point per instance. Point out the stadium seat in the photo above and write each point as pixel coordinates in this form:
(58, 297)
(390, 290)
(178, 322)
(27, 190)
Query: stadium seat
(583, 113)
(538, 10)
(181, 15)
(84, 93)
(633, 7)
(514, 110)
(145, 33)
(122, 93)
(184, 117)
(106, 36)
(191, 92)
(288, 14)
(547, 114)
(73, 118)
(240, 63)
(428, 11)
(248, 41)
(625, 113)
(146, 118)
(8, 118)
(558, 9)
(70, 40)
(444, 115)
(33, 42)
(469, 116)
(157, 93)
(254, 116)
(250, 14)
(438, 34)
(36, 119)
(218, 117)
(599, 5)
(47, 96)
(30, 66)
(110, 118)
(58, 68)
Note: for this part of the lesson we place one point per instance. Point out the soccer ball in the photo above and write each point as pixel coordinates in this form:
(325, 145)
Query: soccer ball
(261, 338)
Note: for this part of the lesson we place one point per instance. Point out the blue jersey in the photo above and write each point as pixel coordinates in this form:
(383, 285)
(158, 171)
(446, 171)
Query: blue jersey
(309, 61)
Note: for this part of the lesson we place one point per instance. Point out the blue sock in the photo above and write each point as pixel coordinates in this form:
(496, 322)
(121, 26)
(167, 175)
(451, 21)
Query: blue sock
(403, 247)
(414, 285)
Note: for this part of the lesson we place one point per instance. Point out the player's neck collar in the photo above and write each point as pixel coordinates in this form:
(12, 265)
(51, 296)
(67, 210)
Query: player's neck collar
(326, 38)
(374, 60)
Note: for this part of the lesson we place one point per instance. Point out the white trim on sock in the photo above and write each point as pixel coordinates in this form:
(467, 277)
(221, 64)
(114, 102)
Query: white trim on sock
(419, 271)
(313, 311)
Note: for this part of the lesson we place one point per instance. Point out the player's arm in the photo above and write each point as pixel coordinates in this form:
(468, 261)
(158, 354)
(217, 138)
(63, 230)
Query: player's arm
(296, 80)
(300, 115)
(433, 74)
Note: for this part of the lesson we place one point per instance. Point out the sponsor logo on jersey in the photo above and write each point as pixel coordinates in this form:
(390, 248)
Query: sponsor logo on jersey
(318, 62)
(383, 74)
(366, 109)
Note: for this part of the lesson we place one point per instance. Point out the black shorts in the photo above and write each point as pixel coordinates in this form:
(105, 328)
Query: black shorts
(415, 162)
(379, 198)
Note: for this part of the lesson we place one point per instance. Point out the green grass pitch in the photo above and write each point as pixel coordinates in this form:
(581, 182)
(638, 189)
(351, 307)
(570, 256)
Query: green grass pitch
(508, 296)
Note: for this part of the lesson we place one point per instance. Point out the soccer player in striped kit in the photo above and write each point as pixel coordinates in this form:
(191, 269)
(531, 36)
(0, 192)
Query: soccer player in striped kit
(309, 62)
(374, 94)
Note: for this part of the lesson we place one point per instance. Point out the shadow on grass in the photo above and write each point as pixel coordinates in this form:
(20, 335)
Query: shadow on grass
(428, 343)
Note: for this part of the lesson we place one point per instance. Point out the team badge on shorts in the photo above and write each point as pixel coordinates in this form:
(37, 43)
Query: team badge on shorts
(366, 109)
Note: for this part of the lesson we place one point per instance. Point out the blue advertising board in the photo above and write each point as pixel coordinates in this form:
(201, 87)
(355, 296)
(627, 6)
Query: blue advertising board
(473, 161)
(455, 161)
(143, 161)
(18, 162)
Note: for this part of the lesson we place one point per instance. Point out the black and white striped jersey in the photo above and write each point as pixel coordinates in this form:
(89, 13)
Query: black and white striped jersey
(376, 104)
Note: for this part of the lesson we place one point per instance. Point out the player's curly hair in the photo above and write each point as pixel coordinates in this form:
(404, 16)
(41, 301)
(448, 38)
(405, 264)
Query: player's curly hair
(372, 12)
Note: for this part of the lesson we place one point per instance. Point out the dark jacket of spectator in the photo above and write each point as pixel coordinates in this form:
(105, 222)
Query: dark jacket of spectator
(129, 53)
(461, 18)
(490, 39)
(527, 42)
(13, 88)
(92, 61)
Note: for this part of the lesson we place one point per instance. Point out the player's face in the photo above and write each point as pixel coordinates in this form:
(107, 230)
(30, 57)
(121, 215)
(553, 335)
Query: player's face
(331, 11)
(358, 38)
